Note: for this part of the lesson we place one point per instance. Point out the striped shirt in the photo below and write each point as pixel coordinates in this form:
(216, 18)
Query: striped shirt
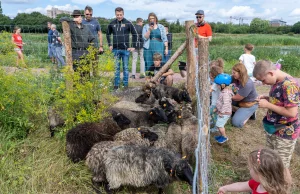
(224, 106)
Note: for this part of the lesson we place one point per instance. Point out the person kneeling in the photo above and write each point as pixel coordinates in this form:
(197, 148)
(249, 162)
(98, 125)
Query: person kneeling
(167, 77)
(223, 106)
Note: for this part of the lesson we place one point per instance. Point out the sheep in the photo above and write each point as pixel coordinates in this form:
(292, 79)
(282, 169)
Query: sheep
(171, 109)
(55, 120)
(137, 166)
(179, 96)
(139, 136)
(146, 98)
(140, 115)
(189, 132)
(81, 138)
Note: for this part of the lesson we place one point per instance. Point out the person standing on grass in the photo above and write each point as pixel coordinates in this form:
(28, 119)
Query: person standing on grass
(281, 122)
(223, 106)
(267, 175)
(18, 42)
(81, 37)
(50, 33)
(155, 40)
(57, 46)
(121, 28)
(170, 40)
(94, 26)
(244, 100)
(248, 59)
(138, 50)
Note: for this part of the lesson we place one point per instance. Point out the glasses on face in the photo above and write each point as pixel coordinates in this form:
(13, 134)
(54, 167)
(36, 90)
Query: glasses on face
(89, 14)
(199, 17)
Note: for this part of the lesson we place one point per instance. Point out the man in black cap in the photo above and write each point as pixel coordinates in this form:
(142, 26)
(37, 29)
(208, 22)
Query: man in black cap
(203, 28)
(81, 36)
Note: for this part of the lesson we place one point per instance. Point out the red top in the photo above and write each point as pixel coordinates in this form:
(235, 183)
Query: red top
(203, 31)
(253, 185)
(18, 40)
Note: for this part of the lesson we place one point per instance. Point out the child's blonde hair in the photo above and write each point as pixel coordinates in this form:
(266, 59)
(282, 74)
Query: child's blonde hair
(262, 66)
(249, 47)
(215, 70)
(241, 69)
(157, 57)
(219, 62)
(267, 164)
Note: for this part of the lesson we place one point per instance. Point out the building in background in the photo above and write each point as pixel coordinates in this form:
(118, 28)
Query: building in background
(55, 11)
(277, 22)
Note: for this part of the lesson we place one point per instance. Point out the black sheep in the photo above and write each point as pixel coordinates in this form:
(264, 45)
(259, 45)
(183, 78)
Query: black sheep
(179, 96)
(81, 138)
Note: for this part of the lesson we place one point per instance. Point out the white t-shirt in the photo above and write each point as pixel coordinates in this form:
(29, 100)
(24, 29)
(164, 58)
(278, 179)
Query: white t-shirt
(215, 94)
(249, 61)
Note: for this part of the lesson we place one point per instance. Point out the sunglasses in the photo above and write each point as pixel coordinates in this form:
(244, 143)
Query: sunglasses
(88, 14)
(199, 17)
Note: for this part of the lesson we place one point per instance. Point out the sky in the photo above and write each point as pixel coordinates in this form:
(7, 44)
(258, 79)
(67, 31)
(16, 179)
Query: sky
(215, 10)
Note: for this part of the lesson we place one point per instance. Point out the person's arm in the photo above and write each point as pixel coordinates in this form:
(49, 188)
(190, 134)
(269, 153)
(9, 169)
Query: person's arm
(209, 33)
(66, 19)
(237, 97)
(134, 39)
(100, 37)
(146, 32)
(284, 111)
(235, 187)
(108, 33)
(164, 37)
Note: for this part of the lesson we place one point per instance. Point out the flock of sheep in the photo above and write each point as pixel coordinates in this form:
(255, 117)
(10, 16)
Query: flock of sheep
(149, 139)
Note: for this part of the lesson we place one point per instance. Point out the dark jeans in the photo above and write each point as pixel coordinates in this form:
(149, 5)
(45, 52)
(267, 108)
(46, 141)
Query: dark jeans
(124, 56)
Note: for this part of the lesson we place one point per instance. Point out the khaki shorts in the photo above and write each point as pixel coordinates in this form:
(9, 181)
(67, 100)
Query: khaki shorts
(284, 147)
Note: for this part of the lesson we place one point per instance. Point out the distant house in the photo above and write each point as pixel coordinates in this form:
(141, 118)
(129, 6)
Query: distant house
(277, 22)
(55, 11)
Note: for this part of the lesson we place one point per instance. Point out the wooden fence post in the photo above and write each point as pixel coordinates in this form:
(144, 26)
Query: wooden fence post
(204, 96)
(68, 52)
(191, 60)
(178, 52)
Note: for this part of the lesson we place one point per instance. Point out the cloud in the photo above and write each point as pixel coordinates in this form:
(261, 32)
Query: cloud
(18, 1)
(237, 11)
(295, 12)
(88, 2)
(43, 10)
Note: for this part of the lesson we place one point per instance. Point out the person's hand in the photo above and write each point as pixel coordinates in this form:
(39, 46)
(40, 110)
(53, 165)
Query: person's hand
(263, 103)
(222, 190)
(101, 49)
(262, 97)
(151, 28)
(215, 110)
(130, 49)
(166, 51)
(79, 20)
(110, 48)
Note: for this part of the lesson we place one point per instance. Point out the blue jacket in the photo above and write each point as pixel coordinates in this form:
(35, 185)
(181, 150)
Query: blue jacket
(147, 40)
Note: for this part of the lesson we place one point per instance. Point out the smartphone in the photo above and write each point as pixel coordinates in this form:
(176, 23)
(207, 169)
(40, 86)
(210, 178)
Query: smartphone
(151, 23)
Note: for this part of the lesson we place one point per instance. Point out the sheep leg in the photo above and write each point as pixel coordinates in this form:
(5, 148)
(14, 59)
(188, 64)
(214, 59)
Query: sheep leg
(52, 131)
(107, 189)
(160, 191)
(96, 186)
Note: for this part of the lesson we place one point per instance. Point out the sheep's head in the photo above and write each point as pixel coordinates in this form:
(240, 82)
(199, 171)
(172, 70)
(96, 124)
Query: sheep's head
(165, 104)
(120, 119)
(183, 171)
(184, 95)
(143, 98)
(151, 136)
(157, 114)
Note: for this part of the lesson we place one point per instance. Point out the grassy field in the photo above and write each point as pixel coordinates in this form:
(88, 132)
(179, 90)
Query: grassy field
(38, 164)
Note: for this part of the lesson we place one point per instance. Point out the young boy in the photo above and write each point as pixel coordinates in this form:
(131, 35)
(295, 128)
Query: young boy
(167, 77)
(248, 59)
(281, 121)
(223, 106)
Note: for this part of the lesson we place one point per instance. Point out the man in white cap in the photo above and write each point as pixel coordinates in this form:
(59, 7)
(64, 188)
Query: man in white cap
(203, 28)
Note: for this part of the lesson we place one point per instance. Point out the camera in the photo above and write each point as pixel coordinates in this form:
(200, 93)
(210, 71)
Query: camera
(151, 23)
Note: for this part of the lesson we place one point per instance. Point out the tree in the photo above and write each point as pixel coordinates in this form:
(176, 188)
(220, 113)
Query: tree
(296, 28)
(33, 22)
(258, 25)
(5, 23)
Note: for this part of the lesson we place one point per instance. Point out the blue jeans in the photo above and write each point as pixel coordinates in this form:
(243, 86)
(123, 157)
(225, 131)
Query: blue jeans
(58, 55)
(124, 56)
(243, 114)
(50, 51)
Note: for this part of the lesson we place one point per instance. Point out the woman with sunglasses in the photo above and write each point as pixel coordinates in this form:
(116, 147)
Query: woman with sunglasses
(155, 40)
